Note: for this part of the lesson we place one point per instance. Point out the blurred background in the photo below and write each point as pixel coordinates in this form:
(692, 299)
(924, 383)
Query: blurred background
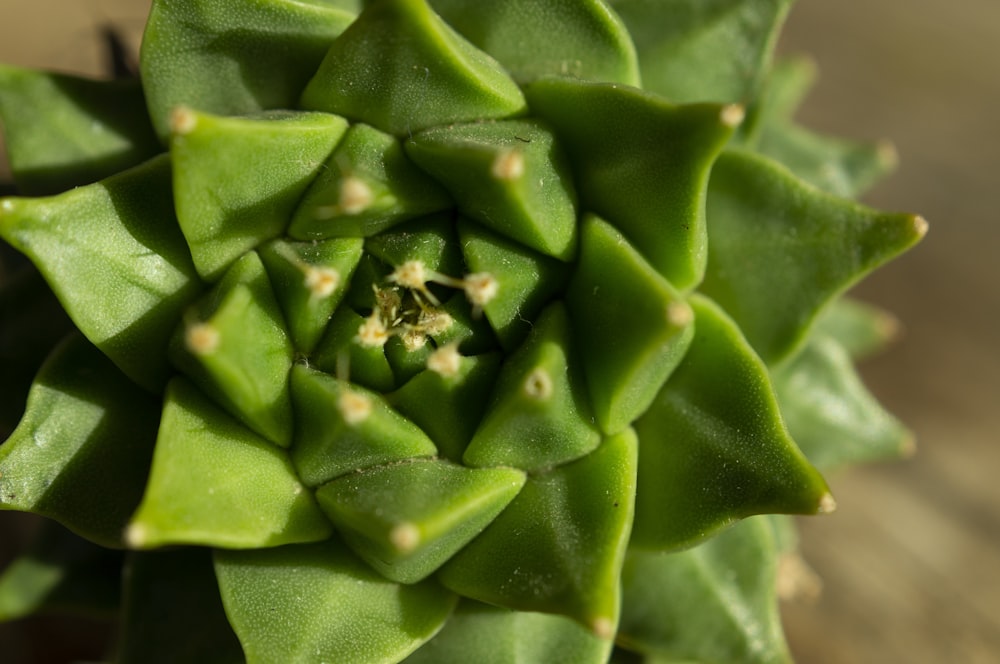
(911, 559)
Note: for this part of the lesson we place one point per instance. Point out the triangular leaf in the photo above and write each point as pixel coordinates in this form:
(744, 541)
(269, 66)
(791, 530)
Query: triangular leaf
(64, 131)
(559, 546)
(368, 73)
(642, 164)
(714, 603)
(233, 344)
(834, 419)
(81, 453)
(531, 40)
(318, 603)
(216, 483)
(238, 180)
(478, 632)
(407, 519)
(714, 448)
(782, 249)
(698, 50)
(540, 416)
(509, 176)
(632, 326)
(232, 57)
(343, 428)
(116, 260)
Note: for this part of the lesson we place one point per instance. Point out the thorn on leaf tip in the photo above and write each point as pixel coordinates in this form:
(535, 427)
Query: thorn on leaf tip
(538, 384)
(321, 281)
(182, 120)
(355, 195)
(405, 537)
(372, 333)
(480, 288)
(508, 165)
(827, 505)
(679, 314)
(202, 338)
(354, 407)
(732, 115)
(411, 274)
(603, 628)
(445, 361)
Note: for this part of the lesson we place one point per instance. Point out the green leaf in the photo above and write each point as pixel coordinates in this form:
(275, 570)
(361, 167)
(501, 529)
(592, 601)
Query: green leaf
(342, 428)
(64, 131)
(238, 180)
(540, 415)
(81, 453)
(714, 603)
(116, 260)
(526, 280)
(782, 249)
(641, 163)
(318, 603)
(233, 344)
(407, 519)
(400, 68)
(581, 38)
(430, 240)
(216, 483)
(31, 324)
(367, 186)
(831, 415)
(509, 176)
(233, 57)
(559, 546)
(862, 329)
(61, 572)
(714, 447)
(173, 612)
(703, 50)
(491, 635)
(339, 351)
(632, 327)
(309, 280)
(448, 402)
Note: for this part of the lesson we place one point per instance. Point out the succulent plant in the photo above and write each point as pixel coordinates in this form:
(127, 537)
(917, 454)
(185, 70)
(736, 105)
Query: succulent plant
(436, 331)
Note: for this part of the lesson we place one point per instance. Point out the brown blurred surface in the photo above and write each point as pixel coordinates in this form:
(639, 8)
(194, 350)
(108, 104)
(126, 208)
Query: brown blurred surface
(911, 560)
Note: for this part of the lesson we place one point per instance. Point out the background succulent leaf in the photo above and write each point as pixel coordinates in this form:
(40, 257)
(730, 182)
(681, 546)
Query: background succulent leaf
(703, 50)
(233, 57)
(61, 572)
(831, 415)
(723, 605)
(579, 38)
(508, 175)
(317, 602)
(492, 635)
(407, 519)
(343, 428)
(81, 453)
(400, 68)
(631, 325)
(861, 328)
(113, 255)
(64, 131)
(237, 180)
(172, 611)
(558, 547)
(216, 483)
(713, 446)
(246, 374)
(367, 185)
(641, 163)
(31, 323)
(782, 249)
